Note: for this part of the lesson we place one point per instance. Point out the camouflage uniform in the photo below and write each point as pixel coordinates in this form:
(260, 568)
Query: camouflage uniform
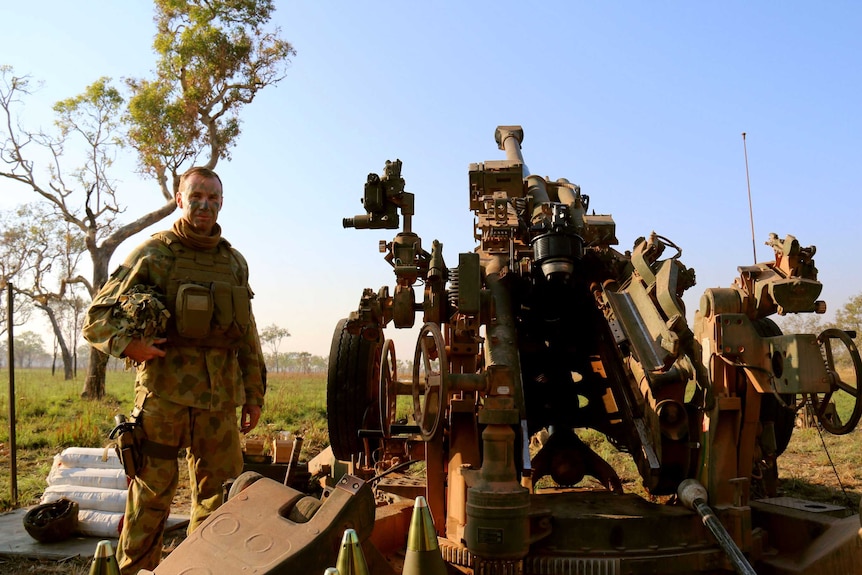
(188, 398)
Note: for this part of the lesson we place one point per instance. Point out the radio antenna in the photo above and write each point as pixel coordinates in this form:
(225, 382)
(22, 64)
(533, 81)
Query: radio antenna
(750, 209)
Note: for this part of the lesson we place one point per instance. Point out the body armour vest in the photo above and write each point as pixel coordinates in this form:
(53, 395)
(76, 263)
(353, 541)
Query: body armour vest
(210, 306)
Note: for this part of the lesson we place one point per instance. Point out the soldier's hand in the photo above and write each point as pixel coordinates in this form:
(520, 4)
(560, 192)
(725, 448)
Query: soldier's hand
(141, 351)
(249, 417)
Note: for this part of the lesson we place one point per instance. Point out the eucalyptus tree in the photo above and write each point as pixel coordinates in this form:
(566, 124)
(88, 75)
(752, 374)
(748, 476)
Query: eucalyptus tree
(212, 58)
(29, 347)
(849, 317)
(11, 263)
(272, 335)
(42, 252)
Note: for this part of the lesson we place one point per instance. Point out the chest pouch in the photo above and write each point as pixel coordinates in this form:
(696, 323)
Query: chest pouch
(223, 313)
(242, 307)
(194, 310)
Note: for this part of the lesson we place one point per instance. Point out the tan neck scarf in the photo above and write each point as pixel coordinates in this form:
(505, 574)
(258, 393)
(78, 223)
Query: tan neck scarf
(192, 239)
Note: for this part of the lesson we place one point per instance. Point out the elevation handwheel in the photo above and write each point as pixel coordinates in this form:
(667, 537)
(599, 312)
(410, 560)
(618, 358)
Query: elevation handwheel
(839, 409)
(387, 386)
(430, 373)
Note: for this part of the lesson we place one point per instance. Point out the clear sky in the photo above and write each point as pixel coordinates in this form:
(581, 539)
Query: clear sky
(640, 103)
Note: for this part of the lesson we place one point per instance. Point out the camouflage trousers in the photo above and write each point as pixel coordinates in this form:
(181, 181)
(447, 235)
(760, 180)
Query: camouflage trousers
(213, 454)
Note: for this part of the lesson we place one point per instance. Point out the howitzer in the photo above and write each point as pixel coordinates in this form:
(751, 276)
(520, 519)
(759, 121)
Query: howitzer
(547, 336)
(547, 328)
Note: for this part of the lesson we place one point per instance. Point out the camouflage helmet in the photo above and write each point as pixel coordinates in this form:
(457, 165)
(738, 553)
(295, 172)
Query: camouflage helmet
(51, 522)
(142, 314)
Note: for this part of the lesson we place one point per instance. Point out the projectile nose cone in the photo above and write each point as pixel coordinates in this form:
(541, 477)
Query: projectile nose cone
(331, 571)
(351, 560)
(421, 535)
(104, 562)
(422, 556)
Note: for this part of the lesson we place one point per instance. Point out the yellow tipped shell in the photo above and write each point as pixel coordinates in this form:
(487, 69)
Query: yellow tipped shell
(104, 562)
(351, 560)
(423, 553)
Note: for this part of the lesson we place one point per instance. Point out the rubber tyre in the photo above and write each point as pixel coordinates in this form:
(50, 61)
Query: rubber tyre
(352, 389)
(245, 479)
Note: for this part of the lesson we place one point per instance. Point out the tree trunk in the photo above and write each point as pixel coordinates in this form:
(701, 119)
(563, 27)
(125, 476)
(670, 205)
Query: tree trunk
(61, 341)
(94, 385)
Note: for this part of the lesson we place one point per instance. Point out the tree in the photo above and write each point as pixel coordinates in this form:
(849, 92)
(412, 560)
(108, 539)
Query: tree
(11, 263)
(82, 197)
(304, 359)
(20, 307)
(319, 363)
(43, 251)
(28, 348)
(272, 336)
(213, 57)
(849, 317)
(801, 323)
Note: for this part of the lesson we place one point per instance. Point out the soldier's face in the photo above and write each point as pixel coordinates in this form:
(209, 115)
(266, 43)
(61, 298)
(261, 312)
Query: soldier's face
(200, 199)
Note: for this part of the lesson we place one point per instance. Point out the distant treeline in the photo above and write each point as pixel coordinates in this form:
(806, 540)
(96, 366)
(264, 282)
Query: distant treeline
(31, 353)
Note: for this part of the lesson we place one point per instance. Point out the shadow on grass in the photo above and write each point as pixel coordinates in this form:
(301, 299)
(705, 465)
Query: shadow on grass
(802, 489)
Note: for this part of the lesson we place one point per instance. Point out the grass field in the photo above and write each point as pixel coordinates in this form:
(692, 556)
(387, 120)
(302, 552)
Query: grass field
(50, 417)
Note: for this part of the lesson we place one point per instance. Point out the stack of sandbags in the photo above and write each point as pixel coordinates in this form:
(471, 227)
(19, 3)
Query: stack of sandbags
(94, 478)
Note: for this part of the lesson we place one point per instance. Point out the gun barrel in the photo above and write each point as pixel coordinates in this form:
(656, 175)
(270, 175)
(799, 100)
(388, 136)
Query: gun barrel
(509, 139)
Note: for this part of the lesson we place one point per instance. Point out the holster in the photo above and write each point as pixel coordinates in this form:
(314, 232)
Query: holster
(131, 443)
(128, 438)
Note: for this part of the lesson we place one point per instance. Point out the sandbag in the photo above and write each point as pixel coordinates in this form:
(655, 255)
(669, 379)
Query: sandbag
(91, 477)
(94, 523)
(97, 498)
(90, 457)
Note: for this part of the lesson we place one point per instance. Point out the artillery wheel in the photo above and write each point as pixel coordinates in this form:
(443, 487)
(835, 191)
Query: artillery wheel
(387, 383)
(351, 388)
(783, 418)
(430, 373)
(839, 409)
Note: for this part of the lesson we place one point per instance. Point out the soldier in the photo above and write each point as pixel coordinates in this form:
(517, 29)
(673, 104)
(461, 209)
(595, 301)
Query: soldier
(190, 380)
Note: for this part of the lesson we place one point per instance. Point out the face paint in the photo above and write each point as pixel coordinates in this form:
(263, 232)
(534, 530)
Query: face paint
(201, 201)
(206, 204)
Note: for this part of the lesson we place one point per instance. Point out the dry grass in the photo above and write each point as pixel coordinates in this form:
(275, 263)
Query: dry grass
(824, 468)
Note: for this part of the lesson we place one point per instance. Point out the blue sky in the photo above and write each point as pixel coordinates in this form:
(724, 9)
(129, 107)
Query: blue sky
(640, 103)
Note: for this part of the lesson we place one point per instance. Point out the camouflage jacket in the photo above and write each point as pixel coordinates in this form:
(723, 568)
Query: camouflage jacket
(202, 377)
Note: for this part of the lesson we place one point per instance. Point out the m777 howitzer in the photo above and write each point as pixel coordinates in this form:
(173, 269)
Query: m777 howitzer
(546, 331)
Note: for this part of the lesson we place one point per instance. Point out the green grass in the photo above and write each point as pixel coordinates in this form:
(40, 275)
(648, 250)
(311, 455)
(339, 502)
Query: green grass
(296, 403)
(51, 416)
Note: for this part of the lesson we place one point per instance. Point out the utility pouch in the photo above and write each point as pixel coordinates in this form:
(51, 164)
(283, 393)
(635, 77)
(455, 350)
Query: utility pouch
(194, 308)
(241, 308)
(241, 312)
(223, 305)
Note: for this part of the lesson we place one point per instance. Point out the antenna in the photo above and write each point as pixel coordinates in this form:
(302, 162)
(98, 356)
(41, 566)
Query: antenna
(750, 209)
